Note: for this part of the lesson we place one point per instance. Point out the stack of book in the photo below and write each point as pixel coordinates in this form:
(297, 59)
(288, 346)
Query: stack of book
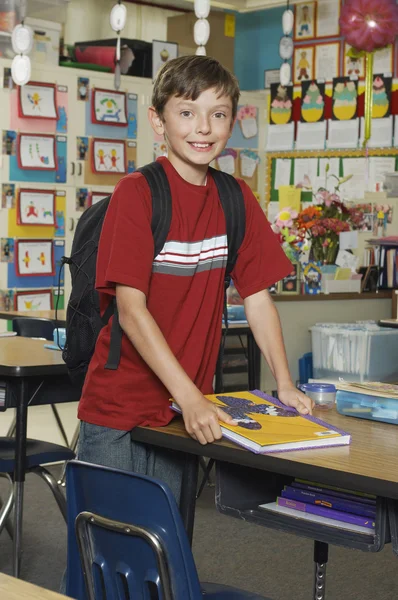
(327, 505)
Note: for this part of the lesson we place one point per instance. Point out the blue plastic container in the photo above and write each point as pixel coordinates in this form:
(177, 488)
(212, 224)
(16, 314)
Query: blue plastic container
(363, 406)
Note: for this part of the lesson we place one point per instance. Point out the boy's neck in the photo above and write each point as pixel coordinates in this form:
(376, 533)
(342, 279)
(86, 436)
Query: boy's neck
(195, 174)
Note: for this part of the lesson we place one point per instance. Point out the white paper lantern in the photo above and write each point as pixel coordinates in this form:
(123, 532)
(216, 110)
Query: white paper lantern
(285, 74)
(202, 8)
(118, 17)
(200, 51)
(287, 21)
(201, 32)
(21, 69)
(22, 39)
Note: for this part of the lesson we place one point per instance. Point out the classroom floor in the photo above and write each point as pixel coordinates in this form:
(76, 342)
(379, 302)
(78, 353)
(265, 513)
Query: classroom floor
(226, 550)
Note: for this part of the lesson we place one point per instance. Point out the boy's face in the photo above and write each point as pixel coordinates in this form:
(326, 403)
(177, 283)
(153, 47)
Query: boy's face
(196, 131)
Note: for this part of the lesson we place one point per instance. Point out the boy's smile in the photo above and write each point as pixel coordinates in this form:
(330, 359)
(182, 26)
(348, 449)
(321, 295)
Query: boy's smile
(196, 131)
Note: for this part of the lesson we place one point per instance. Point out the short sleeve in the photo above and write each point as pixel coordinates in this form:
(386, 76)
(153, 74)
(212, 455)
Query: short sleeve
(261, 260)
(126, 247)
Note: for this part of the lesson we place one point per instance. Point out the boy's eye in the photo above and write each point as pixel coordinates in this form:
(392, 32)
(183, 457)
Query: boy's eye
(219, 115)
(186, 113)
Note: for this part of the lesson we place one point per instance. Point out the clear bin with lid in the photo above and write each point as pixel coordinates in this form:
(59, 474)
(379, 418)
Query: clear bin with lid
(323, 394)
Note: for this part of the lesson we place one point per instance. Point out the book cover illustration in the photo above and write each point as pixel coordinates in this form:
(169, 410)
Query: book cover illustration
(267, 425)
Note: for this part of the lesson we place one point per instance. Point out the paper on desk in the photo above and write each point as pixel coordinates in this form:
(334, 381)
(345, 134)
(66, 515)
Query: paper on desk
(289, 197)
(346, 260)
(348, 240)
(283, 170)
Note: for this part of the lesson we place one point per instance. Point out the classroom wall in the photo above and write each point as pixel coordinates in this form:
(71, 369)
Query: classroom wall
(257, 46)
(145, 23)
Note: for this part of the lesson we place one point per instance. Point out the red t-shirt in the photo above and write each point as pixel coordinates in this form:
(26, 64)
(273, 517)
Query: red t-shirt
(184, 287)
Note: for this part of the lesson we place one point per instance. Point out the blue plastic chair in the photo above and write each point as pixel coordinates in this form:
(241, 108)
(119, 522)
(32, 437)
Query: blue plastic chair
(131, 540)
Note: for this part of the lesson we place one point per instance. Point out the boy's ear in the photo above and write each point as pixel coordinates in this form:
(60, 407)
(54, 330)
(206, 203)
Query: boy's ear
(155, 121)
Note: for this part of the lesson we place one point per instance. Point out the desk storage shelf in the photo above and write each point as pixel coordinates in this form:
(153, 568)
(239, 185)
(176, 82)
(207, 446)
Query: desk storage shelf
(235, 363)
(240, 490)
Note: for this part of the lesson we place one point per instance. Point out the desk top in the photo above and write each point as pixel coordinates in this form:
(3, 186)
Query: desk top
(16, 589)
(20, 356)
(34, 314)
(368, 464)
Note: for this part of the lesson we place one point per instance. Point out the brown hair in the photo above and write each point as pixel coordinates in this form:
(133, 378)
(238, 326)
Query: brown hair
(189, 76)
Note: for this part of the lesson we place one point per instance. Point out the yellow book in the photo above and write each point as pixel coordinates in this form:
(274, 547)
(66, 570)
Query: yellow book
(266, 425)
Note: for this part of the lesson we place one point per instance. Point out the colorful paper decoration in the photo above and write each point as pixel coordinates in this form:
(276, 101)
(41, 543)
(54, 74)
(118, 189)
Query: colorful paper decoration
(36, 152)
(34, 257)
(281, 104)
(109, 107)
(36, 207)
(33, 300)
(312, 101)
(37, 100)
(109, 156)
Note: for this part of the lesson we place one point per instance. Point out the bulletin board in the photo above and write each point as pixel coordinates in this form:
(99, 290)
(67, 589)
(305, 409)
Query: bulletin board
(272, 195)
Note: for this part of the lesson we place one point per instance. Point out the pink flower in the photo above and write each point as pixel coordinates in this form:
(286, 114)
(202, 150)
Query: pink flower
(369, 24)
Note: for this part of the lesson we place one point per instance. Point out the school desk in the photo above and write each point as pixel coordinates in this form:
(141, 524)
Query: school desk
(245, 480)
(16, 589)
(32, 375)
(35, 314)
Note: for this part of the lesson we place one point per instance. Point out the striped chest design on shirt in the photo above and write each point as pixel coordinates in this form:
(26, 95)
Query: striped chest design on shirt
(189, 258)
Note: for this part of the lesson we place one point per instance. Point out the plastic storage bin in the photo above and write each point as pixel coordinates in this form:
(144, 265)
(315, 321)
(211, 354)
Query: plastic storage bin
(355, 352)
(46, 40)
(368, 407)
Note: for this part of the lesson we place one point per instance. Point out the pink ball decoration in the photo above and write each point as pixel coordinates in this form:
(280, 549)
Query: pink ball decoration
(369, 24)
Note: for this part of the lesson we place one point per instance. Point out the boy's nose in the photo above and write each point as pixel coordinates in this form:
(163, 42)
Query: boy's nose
(203, 126)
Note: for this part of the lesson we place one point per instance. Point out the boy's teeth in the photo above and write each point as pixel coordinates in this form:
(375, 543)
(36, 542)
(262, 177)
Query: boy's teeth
(200, 145)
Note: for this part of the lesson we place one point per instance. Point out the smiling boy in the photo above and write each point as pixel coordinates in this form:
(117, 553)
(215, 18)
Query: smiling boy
(170, 307)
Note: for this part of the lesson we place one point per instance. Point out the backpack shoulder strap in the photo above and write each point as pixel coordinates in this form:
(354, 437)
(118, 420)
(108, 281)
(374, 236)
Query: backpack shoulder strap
(158, 183)
(233, 203)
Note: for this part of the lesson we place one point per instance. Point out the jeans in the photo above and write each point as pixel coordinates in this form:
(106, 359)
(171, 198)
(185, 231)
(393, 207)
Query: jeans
(115, 449)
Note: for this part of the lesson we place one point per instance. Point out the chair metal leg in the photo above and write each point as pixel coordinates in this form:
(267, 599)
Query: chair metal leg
(53, 485)
(7, 508)
(321, 550)
(18, 514)
(13, 426)
(73, 446)
(206, 477)
(60, 425)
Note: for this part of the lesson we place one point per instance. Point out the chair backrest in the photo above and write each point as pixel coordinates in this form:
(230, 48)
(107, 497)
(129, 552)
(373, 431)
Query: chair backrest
(32, 327)
(126, 564)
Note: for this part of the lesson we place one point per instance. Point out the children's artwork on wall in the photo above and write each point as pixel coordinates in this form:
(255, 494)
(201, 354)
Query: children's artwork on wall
(304, 20)
(29, 124)
(327, 18)
(36, 152)
(162, 52)
(354, 66)
(132, 116)
(383, 217)
(97, 197)
(34, 257)
(159, 149)
(248, 163)
(312, 101)
(33, 300)
(83, 88)
(247, 118)
(8, 82)
(327, 61)
(345, 95)
(6, 299)
(96, 179)
(281, 104)
(109, 156)
(29, 282)
(383, 60)
(62, 109)
(312, 278)
(7, 250)
(131, 163)
(226, 161)
(108, 107)
(9, 143)
(381, 96)
(40, 175)
(59, 223)
(36, 100)
(81, 148)
(81, 199)
(291, 283)
(7, 195)
(36, 207)
(303, 64)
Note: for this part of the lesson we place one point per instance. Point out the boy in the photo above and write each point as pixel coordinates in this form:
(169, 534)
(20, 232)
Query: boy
(170, 308)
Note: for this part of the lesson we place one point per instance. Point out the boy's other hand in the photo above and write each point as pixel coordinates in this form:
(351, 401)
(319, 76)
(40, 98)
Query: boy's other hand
(291, 396)
(201, 420)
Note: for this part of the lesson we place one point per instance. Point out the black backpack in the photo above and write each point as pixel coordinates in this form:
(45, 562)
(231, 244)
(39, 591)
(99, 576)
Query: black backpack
(83, 318)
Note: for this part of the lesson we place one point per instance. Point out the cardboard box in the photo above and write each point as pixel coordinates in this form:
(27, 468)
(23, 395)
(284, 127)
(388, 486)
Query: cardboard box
(46, 41)
(222, 36)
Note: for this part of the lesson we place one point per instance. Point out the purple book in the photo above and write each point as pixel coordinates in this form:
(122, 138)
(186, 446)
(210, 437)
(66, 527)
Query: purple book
(326, 512)
(331, 492)
(327, 501)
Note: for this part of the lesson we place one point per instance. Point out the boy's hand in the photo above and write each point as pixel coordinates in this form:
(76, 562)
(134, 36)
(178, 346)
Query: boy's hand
(201, 420)
(291, 396)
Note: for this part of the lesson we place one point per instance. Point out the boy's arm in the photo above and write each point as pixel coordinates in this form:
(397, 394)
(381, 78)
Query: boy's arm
(201, 417)
(264, 322)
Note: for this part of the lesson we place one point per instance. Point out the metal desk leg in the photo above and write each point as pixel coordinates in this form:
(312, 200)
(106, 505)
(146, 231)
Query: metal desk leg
(254, 362)
(19, 474)
(320, 558)
(188, 493)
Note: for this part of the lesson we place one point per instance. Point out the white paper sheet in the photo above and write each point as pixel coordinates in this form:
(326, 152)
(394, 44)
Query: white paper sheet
(327, 58)
(38, 101)
(109, 156)
(354, 188)
(34, 301)
(382, 61)
(35, 257)
(343, 134)
(381, 134)
(348, 240)
(378, 166)
(37, 152)
(110, 107)
(305, 171)
(346, 260)
(280, 137)
(283, 171)
(311, 136)
(327, 18)
(36, 208)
